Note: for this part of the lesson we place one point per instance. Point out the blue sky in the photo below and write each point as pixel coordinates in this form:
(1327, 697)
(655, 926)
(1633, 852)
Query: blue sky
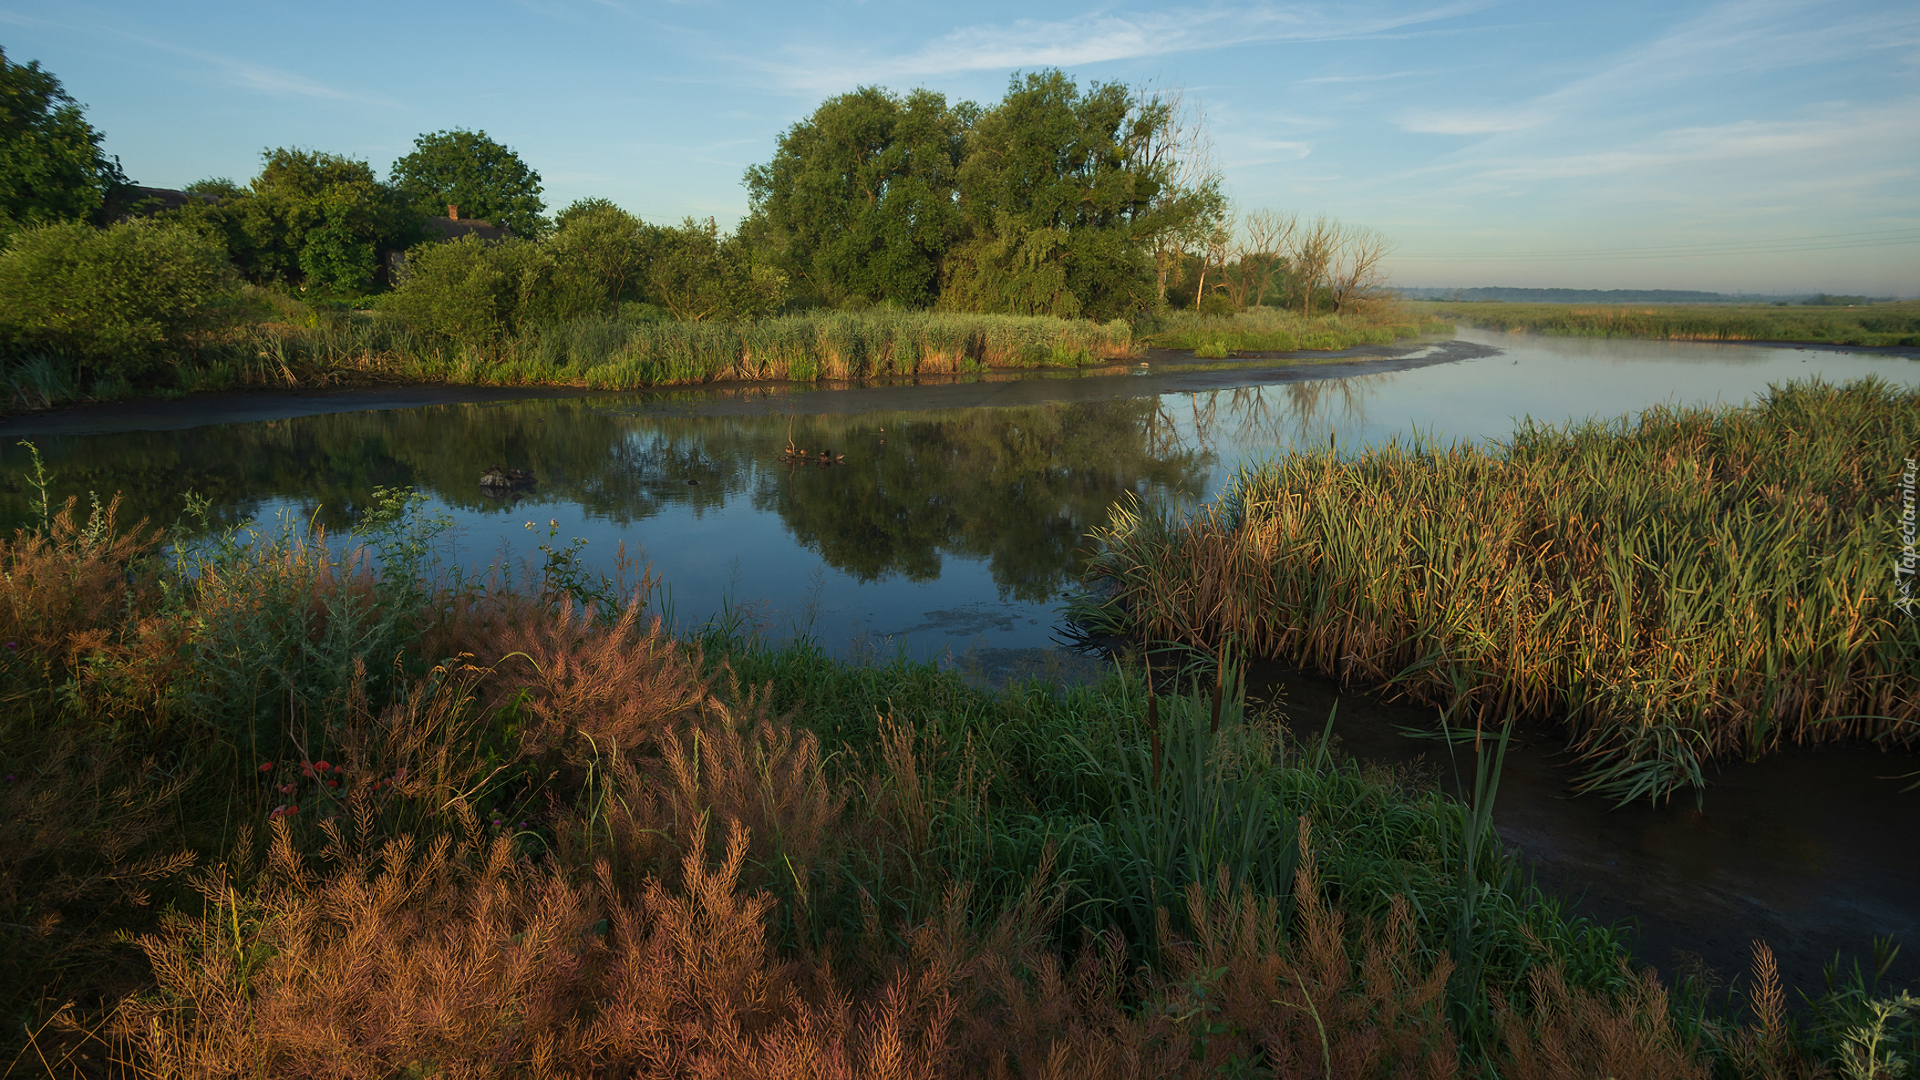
(1751, 146)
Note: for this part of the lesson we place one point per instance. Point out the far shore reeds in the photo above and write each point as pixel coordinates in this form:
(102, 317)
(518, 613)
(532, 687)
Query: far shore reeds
(1872, 325)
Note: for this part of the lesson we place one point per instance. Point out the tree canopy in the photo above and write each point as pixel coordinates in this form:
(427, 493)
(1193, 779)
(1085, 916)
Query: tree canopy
(859, 200)
(469, 170)
(1054, 202)
(311, 220)
(51, 165)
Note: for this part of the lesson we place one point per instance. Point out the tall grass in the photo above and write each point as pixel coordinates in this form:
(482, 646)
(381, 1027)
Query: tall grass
(1874, 325)
(614, 354)
(1691, 583)
(1268, 329)
(561, 842)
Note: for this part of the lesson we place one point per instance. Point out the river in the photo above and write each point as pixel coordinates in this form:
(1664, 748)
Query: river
(950, 518)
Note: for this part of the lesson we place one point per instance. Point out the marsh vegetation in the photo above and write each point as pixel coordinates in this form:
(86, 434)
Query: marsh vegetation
(1686, 584)
(274, 808)
(1873, 325)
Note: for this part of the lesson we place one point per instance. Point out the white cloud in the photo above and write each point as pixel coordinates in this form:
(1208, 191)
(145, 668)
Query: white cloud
(1106, 36)
(1483, 122)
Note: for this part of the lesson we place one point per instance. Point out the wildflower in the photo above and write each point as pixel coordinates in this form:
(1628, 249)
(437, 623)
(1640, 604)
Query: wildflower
(266, 766)
(322, 766)
(553, 523)
(9, 778)
(333, 783)
(400, 775)
(13, 646)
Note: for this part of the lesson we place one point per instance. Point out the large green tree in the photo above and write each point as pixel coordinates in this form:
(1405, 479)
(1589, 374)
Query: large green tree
(312, 221)
(51, 165)
(469, 170)
(860, 200)
(1065, 195)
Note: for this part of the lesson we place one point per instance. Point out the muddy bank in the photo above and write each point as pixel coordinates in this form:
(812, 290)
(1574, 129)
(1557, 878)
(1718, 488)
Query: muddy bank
(1156, 371)
(1816, 852)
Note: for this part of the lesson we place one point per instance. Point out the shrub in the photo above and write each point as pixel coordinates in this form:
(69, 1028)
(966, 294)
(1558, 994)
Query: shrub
(467, 290)
(116, 300)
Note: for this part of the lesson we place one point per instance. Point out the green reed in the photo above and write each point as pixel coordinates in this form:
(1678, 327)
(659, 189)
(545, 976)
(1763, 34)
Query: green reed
(616, 354)
(1692, 583)
(1278, 330)
(1871, 325)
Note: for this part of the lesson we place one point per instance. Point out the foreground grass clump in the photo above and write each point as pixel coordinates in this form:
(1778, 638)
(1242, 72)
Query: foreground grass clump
(1691, 583)
(1268, 329)
(502, 832)
(1872, 325)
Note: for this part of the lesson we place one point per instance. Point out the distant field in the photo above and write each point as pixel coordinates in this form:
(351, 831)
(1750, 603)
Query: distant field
(1875, 324)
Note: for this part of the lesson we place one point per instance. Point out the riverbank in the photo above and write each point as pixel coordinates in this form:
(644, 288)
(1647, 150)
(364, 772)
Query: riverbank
(1893, 326)
(370, 350)
(580, 839)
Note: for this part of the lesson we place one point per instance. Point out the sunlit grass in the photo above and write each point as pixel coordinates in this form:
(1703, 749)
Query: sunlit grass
(1267, 329)
(1873, 325)
(1689, 584)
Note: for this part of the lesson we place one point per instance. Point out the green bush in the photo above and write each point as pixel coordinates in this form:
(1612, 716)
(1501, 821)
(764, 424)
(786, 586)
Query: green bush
(467, 290)
(116, 301)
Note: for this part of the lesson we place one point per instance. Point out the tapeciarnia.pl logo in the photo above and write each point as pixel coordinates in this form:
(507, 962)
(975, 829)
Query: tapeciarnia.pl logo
(1903, 564)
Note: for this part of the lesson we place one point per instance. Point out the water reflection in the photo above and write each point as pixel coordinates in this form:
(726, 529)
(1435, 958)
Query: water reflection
(1016, 487)
(960, 511)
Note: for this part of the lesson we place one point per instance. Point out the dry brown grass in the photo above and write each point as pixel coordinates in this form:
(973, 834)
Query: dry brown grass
(65, 587)
(455, 957)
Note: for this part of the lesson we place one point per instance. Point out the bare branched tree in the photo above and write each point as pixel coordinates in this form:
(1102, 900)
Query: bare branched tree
(1314, 243)
(1264, 236)
(1189, 204)
(1356, 275)
(1214, 251)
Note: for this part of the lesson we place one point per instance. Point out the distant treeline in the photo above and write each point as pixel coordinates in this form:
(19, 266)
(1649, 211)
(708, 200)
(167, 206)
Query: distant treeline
(1626, 296)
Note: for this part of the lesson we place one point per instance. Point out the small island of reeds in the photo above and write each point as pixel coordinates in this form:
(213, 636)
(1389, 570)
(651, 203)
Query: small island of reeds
(1687, 584)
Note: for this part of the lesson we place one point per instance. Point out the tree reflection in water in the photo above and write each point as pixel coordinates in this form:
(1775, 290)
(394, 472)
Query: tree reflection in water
(1018, 487)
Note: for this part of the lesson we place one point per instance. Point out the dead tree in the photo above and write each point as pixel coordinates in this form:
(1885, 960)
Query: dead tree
(1356, 276)
(1314, 243)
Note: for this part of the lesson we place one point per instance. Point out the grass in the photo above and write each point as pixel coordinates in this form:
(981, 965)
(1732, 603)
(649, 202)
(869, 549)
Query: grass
(337, 348)
(301, 347)
(489, 830)
(1269, 329)
(486, 831)
(1689, 584)
(1894, 324)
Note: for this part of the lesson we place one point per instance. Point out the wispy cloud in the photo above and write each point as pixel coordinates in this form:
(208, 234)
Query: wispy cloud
(1381, 77)
(1470, 122)
(1107, 36)
(245, 74)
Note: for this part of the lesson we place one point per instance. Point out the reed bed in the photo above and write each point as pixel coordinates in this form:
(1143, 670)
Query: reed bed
(1895, 324)
(520, 831)
(1690, 583)
(614, 354)
(1267, 329)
